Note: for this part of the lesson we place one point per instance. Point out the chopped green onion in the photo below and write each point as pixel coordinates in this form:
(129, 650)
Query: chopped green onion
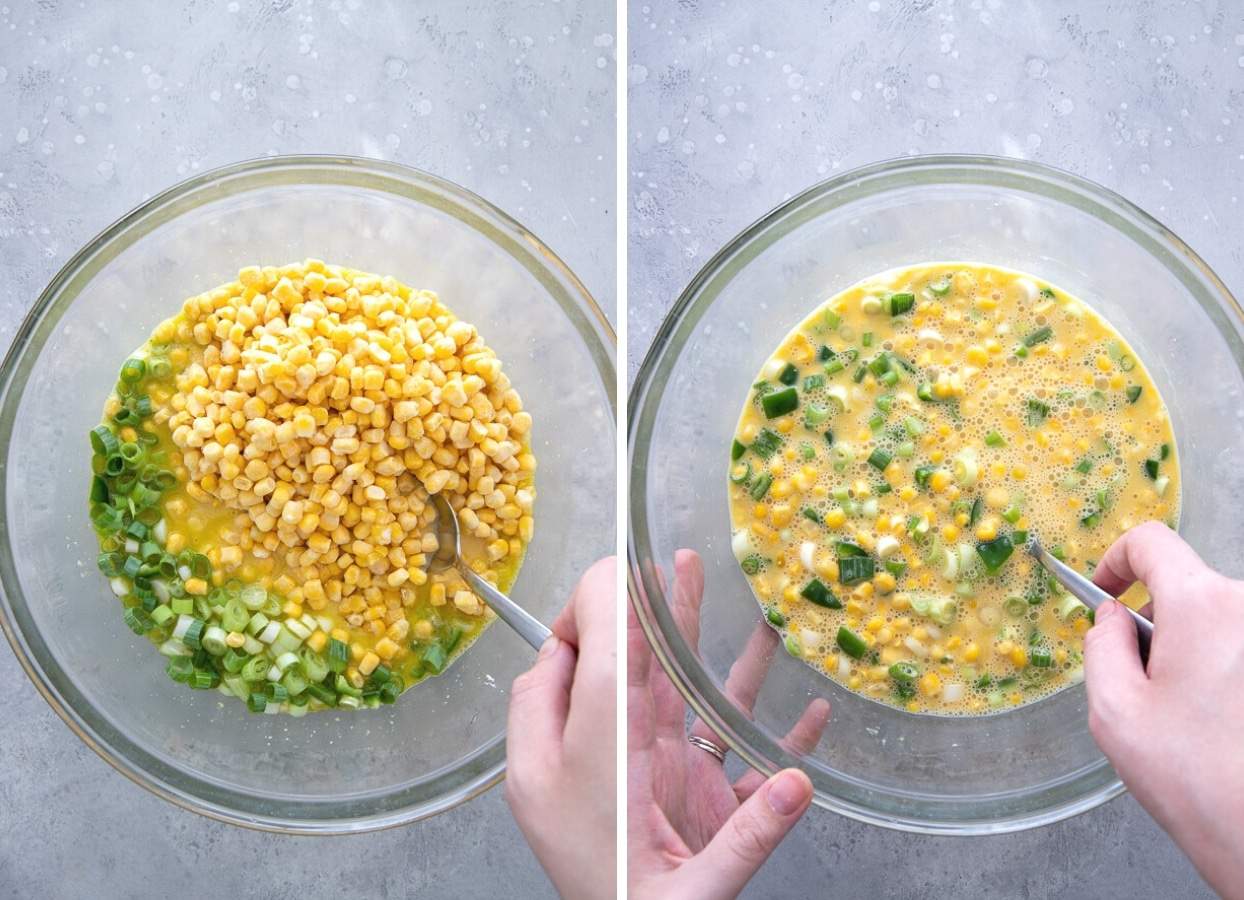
(1084, 466)
(814, 415)
(900, 303)
(809, 513)
(775, 618)
(879, 459)
(744, 477)
(760, 486)
(993, 439)
(1041, 659)
(203, 679)
(941, 288)
(925, 391)
(789, 374)
(766, 443)
(1133, 393)
(1151, 468)
(816, 592)
(904, 671)
(855, 569)
(737, 449)
(813, 383)
(995, 553)
(1039, 336)
(1037, 412)
(133, 370)
(923, 474)
(974, 513)
(103, 442)
(866, 339)
(751, 564)
(851, 643)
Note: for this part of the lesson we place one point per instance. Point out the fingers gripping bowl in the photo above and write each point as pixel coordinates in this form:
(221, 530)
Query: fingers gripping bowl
(1006, 771)
(333, 771)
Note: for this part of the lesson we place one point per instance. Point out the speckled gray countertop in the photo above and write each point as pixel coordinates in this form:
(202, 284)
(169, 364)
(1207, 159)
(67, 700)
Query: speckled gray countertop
(731, 113)
(104, 104)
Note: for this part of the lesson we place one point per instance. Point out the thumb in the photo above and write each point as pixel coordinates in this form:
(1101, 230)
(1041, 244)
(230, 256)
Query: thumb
(753, 832)
(1113, 673)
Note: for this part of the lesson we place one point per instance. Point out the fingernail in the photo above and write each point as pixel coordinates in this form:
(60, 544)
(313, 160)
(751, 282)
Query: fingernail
(549, 647)
(788, 792)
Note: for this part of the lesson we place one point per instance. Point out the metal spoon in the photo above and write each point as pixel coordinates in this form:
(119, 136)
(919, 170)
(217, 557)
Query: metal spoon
(449, 553)
(1090, 594)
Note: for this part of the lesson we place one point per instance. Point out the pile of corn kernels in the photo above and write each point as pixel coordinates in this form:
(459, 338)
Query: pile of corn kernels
(325, 405)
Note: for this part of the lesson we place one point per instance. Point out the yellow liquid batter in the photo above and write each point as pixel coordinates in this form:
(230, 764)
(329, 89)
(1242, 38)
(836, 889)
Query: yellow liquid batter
(919, 425)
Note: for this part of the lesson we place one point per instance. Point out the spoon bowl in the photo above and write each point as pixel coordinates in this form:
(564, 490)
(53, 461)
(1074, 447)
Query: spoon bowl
(449, 555)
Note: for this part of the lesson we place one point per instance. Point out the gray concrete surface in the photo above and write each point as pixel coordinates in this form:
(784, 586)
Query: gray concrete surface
(103, 104)
(731, 112)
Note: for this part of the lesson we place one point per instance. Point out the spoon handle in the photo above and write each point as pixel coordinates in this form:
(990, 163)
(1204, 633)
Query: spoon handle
(1084, 590)
(531, 629)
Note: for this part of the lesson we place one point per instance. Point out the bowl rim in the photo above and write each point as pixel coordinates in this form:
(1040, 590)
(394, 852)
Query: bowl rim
(698, 690)
(232, 179)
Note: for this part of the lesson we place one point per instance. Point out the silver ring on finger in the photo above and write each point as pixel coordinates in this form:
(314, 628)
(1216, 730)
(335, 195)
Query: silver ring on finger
(707, 746)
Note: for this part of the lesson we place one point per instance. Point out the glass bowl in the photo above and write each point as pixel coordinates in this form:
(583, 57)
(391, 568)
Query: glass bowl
(1013, 770)
(329, 772)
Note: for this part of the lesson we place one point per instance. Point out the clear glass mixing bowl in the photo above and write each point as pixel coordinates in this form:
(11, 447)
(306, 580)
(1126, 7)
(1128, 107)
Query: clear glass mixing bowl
(1013, 770)
(444, 741)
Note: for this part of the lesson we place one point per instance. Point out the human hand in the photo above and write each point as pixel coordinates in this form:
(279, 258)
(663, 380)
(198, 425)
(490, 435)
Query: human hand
(691, 833)
(561, 746)
(1173, 732)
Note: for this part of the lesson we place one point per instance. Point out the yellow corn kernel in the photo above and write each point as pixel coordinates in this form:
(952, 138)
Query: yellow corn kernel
(938, 481)
(907, 492)
(830, 662)
(1019, 473)
(835, 518)
(930, 684)
(781, 489)
(1103, 362)
(971, 653)
(884, 582)
(386, 649)
(781, 515)
(950, 533)
(1019, 657)
(785, 425)
(368, 663)
(196, 586)
(235, 639)
(875, 624)
(175, 542)
(317, 641)
(987, 530)
(977, 356)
